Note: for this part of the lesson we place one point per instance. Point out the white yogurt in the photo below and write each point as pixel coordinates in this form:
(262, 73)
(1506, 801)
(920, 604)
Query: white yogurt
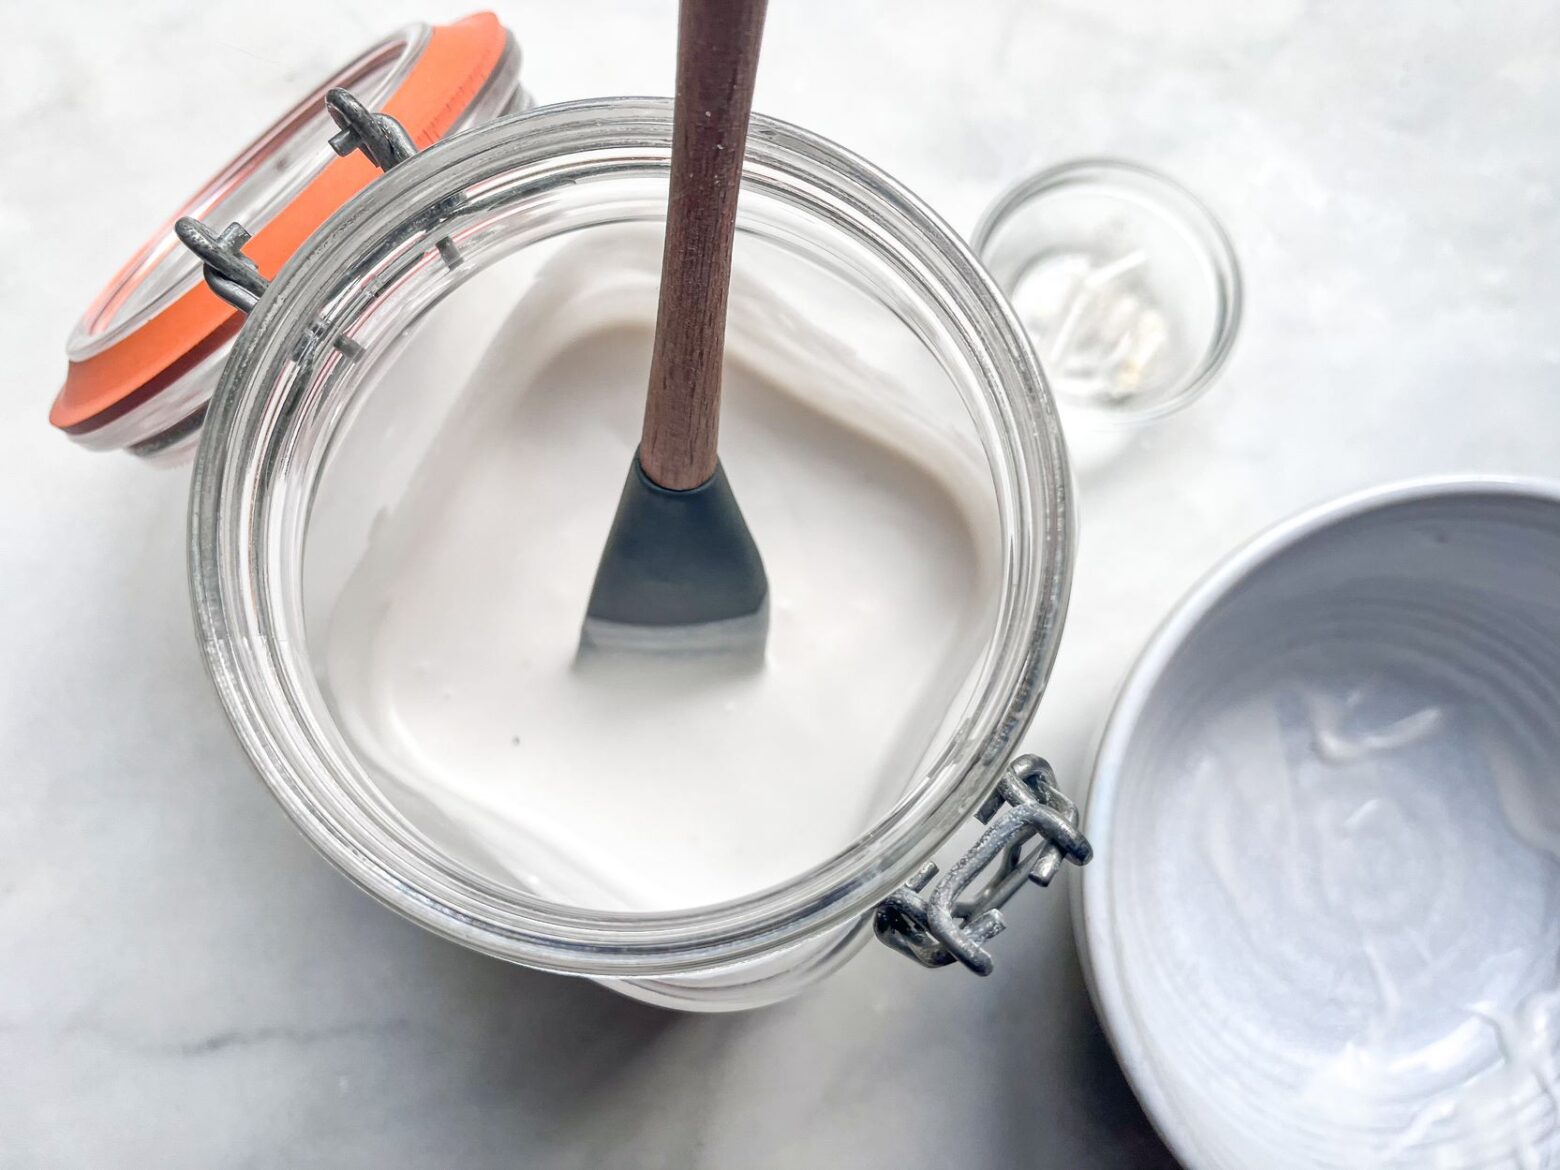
(657, 783)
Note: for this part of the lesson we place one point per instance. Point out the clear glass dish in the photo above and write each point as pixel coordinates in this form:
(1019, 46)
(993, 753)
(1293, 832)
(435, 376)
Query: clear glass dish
(1126, 281)
(271, 526)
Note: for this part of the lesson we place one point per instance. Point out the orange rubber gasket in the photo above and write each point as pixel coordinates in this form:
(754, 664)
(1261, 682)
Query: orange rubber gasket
(454, 66)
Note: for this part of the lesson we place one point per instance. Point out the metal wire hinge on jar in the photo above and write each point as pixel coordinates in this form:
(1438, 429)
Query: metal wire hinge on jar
(943, 927)
(235, 277)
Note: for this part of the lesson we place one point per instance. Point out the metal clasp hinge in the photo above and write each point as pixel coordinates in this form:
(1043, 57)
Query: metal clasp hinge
(943, 927)
(230, 274)
(386, 144)
(235, 277)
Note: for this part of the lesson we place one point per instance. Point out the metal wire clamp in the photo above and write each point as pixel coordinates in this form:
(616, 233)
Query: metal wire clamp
(944, 927)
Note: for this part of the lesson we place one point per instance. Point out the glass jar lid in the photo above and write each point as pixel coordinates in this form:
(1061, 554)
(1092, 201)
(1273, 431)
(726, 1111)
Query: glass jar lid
(147, 353)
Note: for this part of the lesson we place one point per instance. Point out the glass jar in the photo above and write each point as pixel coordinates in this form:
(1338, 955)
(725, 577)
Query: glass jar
(270, 525)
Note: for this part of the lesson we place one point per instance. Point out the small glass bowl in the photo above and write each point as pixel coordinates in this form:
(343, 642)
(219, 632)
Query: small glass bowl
(1126, 283)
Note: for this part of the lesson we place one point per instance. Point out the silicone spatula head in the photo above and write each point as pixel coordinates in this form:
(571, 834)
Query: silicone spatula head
(680, 573)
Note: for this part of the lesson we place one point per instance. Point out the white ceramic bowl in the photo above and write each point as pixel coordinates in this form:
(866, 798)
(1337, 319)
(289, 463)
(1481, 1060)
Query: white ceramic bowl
(1323, 922)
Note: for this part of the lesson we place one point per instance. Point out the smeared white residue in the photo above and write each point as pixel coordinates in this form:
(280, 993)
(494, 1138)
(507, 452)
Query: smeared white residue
(1387, 989)
(1372, 888)
(1525, 1038)
(1359, 816)
(1527, 799)
(1336, 746)
(1506, 1107)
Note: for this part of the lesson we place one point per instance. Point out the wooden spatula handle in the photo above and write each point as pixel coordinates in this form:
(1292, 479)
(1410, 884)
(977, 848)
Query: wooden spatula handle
(717, 60)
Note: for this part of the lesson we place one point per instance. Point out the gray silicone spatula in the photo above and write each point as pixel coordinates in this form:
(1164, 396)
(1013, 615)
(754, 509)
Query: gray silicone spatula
(680, 571)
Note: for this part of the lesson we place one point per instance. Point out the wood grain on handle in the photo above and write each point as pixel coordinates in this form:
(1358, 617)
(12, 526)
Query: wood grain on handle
(717, 60)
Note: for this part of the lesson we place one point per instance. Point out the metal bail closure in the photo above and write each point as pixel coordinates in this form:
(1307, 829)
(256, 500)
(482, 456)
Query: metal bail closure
(230, 274)
(942, 927)
(379, 136)
(386, 144)
(235, 277)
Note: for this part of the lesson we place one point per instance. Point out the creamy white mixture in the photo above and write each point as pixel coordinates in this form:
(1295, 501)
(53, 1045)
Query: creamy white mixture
(1339, 912)
(654, 782)
(1399, 942)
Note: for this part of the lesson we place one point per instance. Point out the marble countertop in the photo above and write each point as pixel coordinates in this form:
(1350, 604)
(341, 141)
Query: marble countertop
(183, 983)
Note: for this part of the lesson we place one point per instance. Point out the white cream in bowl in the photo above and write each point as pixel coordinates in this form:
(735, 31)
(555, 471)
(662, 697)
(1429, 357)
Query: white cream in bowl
(1323, 925)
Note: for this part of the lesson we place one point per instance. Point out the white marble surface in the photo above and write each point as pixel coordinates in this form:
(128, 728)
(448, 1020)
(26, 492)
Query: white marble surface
(184, 984)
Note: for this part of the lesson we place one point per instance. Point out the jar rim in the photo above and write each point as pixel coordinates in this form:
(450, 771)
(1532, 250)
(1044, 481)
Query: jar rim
(235, 593)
